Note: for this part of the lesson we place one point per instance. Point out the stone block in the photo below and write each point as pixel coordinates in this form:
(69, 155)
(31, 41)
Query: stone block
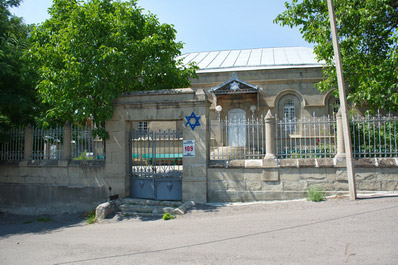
(365, 175)
(270, 175)
(326, 162)
(389, 185)
(387, 174)
(252, 174)
(364, 185)
(294, 186)
(194, 187)
(364, 163)
(236, 185)
(341, 175)
(253, 185)
(272, 186)
(324, 186)
(290, 174)
(217, 185)
(225, 196)
(270, 163)
(234, 175)
(214, 174)
(236, 164)
(257, 163)
(198, 171)
(306, 163)
(341, 186)
(288, 163)
(340, 162)
(386, 162)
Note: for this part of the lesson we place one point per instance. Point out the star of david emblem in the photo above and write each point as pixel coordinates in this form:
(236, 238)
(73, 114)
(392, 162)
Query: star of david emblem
(234, 86)
(190, 121)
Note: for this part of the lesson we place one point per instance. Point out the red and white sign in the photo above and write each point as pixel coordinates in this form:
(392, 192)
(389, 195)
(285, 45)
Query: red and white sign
(189, 148)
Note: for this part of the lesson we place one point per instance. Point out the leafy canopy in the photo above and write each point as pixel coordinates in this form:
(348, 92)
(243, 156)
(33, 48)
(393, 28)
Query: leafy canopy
(368, 41)
(89, 52)
(17, 95)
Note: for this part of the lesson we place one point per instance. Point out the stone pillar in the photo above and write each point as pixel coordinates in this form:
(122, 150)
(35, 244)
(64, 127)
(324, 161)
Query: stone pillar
(269, 121)
(194, 181)
(340, 137)
(67, 145)
(270, 158)
(28, 142)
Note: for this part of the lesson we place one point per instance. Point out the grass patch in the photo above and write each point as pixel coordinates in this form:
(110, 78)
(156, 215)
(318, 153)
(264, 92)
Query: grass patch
(90, 217)
(315, 194)
(168, 216)
(28, 222)
(44, 219)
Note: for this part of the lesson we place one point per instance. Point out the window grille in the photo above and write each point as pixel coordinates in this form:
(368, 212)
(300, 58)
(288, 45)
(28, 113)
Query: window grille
(143, 126)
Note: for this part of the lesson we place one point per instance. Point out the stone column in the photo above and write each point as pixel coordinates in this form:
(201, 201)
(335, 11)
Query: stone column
(67, 145)
(269, 121)
(340, 137)
(28, 142)
(270, 158)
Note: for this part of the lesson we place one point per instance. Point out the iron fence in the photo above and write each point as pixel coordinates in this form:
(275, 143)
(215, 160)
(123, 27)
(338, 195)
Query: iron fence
(47, 143)
(12, 144)
(306, 138)
(374, 136)
(237, 139)
(85, 146)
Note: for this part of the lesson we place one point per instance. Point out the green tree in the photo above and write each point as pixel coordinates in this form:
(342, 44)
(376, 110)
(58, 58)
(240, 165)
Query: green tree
(368, 42)
(17, 94)
(89, 52)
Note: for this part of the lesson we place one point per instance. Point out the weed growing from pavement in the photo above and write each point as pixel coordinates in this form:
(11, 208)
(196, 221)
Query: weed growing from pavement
(315, 194)
(90, 217)
(44, 219)
(168, 216)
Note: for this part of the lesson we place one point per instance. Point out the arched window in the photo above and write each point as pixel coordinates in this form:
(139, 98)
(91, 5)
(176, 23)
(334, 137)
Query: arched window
(289, 110)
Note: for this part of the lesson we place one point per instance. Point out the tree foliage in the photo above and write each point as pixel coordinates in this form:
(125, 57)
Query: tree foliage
(368, 41)
(89, 52)
(17, 95)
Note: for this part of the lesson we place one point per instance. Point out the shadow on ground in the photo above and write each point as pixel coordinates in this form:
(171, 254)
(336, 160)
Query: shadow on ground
(13, 224)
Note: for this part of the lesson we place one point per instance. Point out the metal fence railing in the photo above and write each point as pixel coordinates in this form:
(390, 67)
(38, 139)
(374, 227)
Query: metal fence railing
(237, 139)
(47, 143)
(85, 146)
(12, 144)
(156, 153)
(374, 136)
(306, 138)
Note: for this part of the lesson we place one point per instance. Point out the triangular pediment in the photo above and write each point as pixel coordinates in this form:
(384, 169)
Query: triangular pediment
(234, 86)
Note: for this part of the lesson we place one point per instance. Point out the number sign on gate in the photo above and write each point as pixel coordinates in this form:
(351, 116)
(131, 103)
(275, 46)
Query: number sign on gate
(189, 148)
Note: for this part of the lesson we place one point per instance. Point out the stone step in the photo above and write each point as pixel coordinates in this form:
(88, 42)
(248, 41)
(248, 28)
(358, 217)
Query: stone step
(153, 209)
(134, 201)
(148, 215)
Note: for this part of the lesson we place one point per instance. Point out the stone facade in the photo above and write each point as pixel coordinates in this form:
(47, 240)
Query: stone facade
(242, 181)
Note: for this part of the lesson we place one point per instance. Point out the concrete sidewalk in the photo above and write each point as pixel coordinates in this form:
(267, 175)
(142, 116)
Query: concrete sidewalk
(337, 231)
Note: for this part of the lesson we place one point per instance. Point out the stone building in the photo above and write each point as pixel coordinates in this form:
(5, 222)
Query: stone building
(243, 84)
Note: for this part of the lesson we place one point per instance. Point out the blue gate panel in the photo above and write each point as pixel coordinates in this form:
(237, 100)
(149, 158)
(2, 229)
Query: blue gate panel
(168, 189)
(142, 188)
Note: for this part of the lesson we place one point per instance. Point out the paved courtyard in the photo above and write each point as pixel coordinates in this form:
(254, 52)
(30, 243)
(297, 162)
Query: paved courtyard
(337, 231)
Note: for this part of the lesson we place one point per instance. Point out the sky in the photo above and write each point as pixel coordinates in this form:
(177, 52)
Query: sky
(206, 25)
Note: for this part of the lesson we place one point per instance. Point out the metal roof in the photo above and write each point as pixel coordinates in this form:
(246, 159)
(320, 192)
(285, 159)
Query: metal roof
(252, 59)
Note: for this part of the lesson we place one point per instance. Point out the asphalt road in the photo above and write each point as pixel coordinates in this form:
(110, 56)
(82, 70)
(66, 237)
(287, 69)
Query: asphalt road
(337, 231)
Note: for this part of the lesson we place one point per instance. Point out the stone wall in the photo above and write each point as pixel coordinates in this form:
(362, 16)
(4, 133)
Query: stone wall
(52, 185)
(253, 181)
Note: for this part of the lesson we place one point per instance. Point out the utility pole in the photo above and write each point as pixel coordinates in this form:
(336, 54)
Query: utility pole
(343, 104)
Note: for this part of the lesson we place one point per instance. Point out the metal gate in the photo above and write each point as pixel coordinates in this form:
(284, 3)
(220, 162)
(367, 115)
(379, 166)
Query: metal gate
(156, 164)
